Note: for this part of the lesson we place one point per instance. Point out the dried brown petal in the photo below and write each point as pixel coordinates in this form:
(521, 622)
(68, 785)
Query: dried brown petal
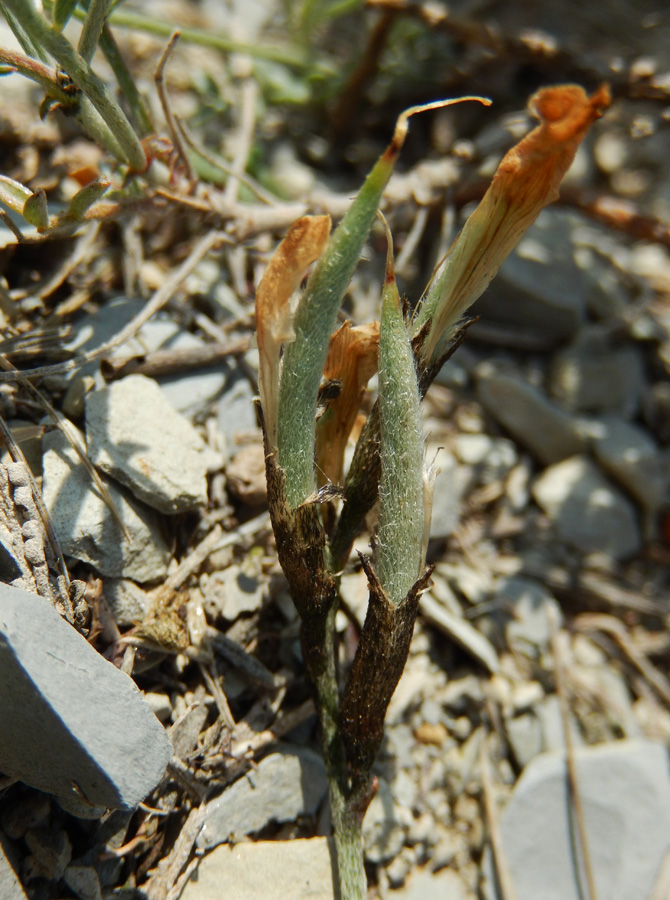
(352, 360)
(304, 243)
(526, 181)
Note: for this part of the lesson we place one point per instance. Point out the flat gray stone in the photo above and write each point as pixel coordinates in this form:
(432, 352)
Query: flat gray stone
(72, 723)
(625, 792)
(539, 730)
(383, 829)
(84, 881)
(134, 435)
(528, 629)
(493, 457)
(86, 528)
(266, 870)
(425, 885)
(524, 734)
(232, 592)
(235, 413)
(450, 483)
(282, 787)
(587, 511)
(126, 601)
(545, 430)
(591, 376)
(632, 458)
(539, 289)
(189, 392)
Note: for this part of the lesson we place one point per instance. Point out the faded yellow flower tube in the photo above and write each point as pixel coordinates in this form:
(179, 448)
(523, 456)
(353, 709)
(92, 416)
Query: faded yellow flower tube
(525, 182)
(303, 244)
(352, 360)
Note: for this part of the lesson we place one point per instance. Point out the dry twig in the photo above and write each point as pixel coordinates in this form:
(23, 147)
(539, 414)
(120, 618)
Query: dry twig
(561, 690)
(159, 81)
(505, 881)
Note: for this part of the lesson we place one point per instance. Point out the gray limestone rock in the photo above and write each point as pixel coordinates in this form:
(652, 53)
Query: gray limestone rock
(545, 430)
(425, 885)
(134, 435)
(232, 592)
(625, 793)
(235, 413)
(84, 881)
(539, 730)
(72, 723)
(592, 376)
(188, 392)
(450, 483)
(632, 458)
(191, 393)
(266, 870)
(282, 787)
(539, 289)
(587, 511)
(528, 603)
(126, 601)
(383, 830)
(524, 734)
(85, 526)
(493, 457)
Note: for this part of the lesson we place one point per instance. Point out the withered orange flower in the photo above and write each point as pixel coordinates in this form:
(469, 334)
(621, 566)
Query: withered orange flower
(352, 360)
(303, 244)
(525, 182)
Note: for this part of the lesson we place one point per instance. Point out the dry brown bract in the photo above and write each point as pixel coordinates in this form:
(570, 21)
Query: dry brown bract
(526, 181)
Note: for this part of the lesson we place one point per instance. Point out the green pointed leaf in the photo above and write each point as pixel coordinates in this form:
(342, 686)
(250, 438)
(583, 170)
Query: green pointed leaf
(86, 197)
(14, 194)
(35, 210)
(399, 551)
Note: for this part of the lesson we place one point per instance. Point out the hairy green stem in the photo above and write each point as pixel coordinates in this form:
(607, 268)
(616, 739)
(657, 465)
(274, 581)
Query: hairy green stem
(36, 71)
(346, 823)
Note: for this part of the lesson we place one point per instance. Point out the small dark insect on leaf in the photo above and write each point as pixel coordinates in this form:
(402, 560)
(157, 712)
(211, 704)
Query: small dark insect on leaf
(329, 390)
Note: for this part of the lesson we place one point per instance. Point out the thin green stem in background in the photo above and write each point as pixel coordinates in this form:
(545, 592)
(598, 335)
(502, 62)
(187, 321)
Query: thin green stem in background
(126, 82)
(138, 22)
(92, 28)
(124, 78)
(24, 39)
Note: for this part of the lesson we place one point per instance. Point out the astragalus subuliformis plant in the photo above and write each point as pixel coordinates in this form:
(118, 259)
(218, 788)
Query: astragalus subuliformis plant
(304, 457)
